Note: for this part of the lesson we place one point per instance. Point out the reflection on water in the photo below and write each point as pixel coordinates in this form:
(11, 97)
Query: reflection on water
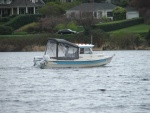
(123, 86)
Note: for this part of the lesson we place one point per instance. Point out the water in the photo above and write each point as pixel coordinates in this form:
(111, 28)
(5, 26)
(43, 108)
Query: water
(123, 86)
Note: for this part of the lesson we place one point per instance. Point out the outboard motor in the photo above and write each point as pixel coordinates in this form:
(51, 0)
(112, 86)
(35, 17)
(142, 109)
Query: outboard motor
(44, 61)
(46, 57)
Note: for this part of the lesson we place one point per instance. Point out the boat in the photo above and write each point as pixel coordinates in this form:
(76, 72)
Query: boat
(60, 53)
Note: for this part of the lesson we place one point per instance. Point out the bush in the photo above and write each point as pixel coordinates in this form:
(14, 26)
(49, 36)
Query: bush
(4, 19)
(69, 25)
(115, 25)
(148, 38)
(21, 20)
(99, 37)
(122, 40)
(119, 13)
(6, 30)
(30, 28)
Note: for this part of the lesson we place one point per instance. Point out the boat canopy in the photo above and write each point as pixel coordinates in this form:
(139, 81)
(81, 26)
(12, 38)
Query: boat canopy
(61, 49)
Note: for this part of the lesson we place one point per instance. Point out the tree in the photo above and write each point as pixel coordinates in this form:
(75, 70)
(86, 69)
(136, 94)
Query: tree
(52, 9)
(86, 21)
(142, 5)
(119, 13)
(48, 24)
(123, 3)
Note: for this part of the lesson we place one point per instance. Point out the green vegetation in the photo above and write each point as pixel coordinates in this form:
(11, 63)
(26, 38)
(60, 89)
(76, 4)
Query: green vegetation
(21, 20)
(6, 30)
(119, 13)
(141, 28)
(115, 25)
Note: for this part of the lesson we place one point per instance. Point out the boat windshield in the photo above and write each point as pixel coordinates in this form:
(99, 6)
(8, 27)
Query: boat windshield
(61, 50)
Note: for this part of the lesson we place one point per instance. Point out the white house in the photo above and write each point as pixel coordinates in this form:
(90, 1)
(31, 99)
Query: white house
(97, 10)
(16, 7)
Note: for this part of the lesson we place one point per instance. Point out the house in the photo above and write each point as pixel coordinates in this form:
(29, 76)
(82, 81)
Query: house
(131, 13)
(97, 10)
(16, 7)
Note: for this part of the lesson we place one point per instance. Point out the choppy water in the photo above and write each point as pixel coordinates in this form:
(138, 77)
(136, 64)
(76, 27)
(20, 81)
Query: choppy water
(123, 86)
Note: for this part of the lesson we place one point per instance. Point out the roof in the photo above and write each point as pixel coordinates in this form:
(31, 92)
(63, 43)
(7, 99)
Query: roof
(93, 7)
(22, 3)
(63, 41)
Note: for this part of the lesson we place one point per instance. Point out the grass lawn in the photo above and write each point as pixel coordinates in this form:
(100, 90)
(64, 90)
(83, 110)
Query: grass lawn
(141, 28)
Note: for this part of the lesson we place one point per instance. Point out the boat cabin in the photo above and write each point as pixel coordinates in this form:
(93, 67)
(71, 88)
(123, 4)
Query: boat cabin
(61, 49)
(86, 48)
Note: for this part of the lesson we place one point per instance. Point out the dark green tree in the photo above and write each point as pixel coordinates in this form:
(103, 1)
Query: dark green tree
(52, 9)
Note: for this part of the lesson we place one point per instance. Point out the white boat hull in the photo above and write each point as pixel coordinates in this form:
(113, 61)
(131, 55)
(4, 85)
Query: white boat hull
(74, 63)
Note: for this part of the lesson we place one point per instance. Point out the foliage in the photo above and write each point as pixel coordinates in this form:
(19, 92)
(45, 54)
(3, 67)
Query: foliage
(148, 37)
(52, 9)
(22, 20)
(142, 5)
(111, 26)
(6, 30)
(97, 1)
(123, 40)
(46, 1)
(49, 24)
(105, 19)
(119, 13)
(69, 5)
(70, 25)
(26, 27)
(4, 19)
(99, 37)
(140, 28)
(123, 3)
(139, 40)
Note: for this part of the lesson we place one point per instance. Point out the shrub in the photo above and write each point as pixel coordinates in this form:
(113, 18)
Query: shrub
(6, 30)
(139, 40)
(111, 26)
(30, 28)
(122, 40)
(148, 37)
(4, 19)
(119, 13)
(21, 20)
(70, 25)
(99, 37)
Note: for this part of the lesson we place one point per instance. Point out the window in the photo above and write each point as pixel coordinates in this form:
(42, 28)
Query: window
(109, 14)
